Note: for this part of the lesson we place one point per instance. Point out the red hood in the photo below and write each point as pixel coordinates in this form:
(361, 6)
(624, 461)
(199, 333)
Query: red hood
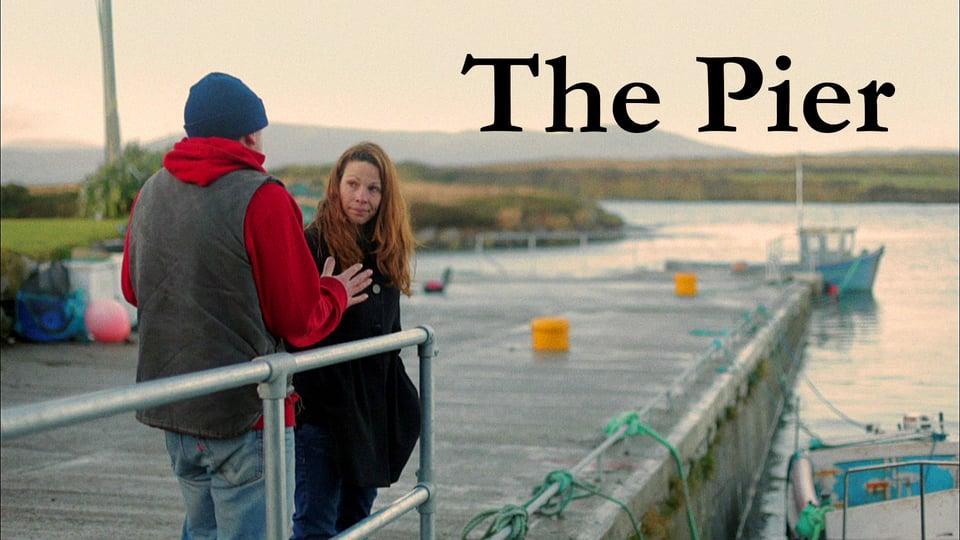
(202, 160)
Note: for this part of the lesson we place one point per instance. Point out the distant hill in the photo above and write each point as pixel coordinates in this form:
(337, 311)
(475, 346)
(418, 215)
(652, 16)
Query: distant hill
(291, 144)
(288, 144)
(38, 165)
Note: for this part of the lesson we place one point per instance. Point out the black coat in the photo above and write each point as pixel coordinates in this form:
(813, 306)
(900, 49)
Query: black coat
(369, 404)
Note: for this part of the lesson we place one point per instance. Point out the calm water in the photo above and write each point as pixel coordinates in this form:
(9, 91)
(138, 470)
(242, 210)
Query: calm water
(873, 357)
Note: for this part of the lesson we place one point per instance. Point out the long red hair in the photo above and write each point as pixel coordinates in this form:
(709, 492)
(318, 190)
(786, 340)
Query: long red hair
(391, 234)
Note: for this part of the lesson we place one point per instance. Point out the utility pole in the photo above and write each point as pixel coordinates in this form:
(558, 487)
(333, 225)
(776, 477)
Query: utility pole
(111, 118)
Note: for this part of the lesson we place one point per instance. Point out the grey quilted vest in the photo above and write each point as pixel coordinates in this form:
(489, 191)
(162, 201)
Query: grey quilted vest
(197, 302)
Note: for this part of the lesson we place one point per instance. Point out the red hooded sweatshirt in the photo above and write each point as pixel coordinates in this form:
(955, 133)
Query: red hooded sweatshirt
(297, 304)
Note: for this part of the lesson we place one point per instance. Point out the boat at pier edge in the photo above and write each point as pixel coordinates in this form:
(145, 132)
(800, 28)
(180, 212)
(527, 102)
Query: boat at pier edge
(884, 486)
(830, 251)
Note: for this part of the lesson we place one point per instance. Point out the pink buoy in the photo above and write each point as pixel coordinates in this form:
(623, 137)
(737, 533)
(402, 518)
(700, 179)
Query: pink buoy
(107, 320)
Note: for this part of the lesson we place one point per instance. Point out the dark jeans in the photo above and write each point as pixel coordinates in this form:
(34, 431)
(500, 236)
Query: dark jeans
(325, 504)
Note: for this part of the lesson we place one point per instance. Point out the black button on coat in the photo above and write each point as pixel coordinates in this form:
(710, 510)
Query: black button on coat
(369, 404)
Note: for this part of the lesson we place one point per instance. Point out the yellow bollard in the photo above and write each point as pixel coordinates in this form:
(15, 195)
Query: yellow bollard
(686, 284)
(550, 334)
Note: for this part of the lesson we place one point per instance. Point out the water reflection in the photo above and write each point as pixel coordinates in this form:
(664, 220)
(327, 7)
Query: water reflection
(839, 324)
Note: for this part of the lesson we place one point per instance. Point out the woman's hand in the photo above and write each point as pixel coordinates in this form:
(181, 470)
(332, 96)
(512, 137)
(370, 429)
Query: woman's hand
(352, 278)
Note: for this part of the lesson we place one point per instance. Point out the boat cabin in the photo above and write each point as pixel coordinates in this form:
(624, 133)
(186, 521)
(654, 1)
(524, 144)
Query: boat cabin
(825, 245)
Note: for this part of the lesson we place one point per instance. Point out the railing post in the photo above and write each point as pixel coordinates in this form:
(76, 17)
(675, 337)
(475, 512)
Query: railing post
(923, 514)
(273, 392)
(846, 498)
(426, 351)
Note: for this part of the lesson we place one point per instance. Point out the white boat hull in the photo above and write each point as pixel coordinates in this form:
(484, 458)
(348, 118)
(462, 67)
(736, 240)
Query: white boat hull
(882, 503)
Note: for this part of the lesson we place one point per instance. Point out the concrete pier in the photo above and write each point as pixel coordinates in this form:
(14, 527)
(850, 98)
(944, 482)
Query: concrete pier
(505, 416)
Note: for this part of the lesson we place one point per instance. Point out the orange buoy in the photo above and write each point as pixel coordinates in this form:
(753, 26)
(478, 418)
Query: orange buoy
(550, 334)
(685, 284)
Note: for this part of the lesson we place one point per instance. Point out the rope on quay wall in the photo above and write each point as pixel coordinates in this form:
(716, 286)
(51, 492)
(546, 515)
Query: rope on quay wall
(513, 518)
(516, 517)
(635, 427)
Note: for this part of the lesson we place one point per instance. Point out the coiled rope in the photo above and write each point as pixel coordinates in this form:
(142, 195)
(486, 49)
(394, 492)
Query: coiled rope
(514, 518)
(511, 517)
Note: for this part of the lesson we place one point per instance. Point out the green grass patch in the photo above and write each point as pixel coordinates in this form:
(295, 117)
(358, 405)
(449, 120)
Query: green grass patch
(44, 239)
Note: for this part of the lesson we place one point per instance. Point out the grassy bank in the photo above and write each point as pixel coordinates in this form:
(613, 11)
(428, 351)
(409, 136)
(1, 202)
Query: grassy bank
(561, 195)
(471, 207)
(930, 177)
(43, 239)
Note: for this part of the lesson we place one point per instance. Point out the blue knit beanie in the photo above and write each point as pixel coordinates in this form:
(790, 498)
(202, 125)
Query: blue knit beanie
(220, 105)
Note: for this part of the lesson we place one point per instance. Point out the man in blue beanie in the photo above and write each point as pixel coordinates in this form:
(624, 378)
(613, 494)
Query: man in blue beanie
(216, 262)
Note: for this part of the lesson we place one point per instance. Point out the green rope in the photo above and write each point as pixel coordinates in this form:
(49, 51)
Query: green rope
(510, 517)
(630, 419)
(515, 517)
(705, 332)
(567, 492)
(635, 427)
(812, 521)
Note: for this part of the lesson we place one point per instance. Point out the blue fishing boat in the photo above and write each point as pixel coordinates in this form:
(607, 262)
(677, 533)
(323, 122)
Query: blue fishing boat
(830, 251)
(901, 485)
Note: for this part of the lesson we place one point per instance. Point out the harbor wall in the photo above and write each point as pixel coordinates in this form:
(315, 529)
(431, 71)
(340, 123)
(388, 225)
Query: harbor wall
(723, 439)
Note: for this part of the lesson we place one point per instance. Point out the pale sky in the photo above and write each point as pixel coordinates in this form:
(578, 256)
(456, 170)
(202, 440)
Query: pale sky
(396, 65)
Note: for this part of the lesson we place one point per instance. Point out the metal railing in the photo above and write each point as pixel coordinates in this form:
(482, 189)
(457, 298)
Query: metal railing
(922, 463)
(270, 373)
(512, 238)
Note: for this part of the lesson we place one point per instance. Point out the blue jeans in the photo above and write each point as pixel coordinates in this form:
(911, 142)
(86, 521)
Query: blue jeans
(325, 504)
(222, 484)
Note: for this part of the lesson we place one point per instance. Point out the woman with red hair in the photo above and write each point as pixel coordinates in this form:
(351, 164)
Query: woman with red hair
(361, 419)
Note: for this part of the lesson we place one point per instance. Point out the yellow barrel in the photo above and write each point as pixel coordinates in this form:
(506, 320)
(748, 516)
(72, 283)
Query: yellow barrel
(686, 283)
(550, 334)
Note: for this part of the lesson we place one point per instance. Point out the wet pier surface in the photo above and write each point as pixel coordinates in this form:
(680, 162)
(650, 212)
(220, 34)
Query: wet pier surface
(505, 415)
